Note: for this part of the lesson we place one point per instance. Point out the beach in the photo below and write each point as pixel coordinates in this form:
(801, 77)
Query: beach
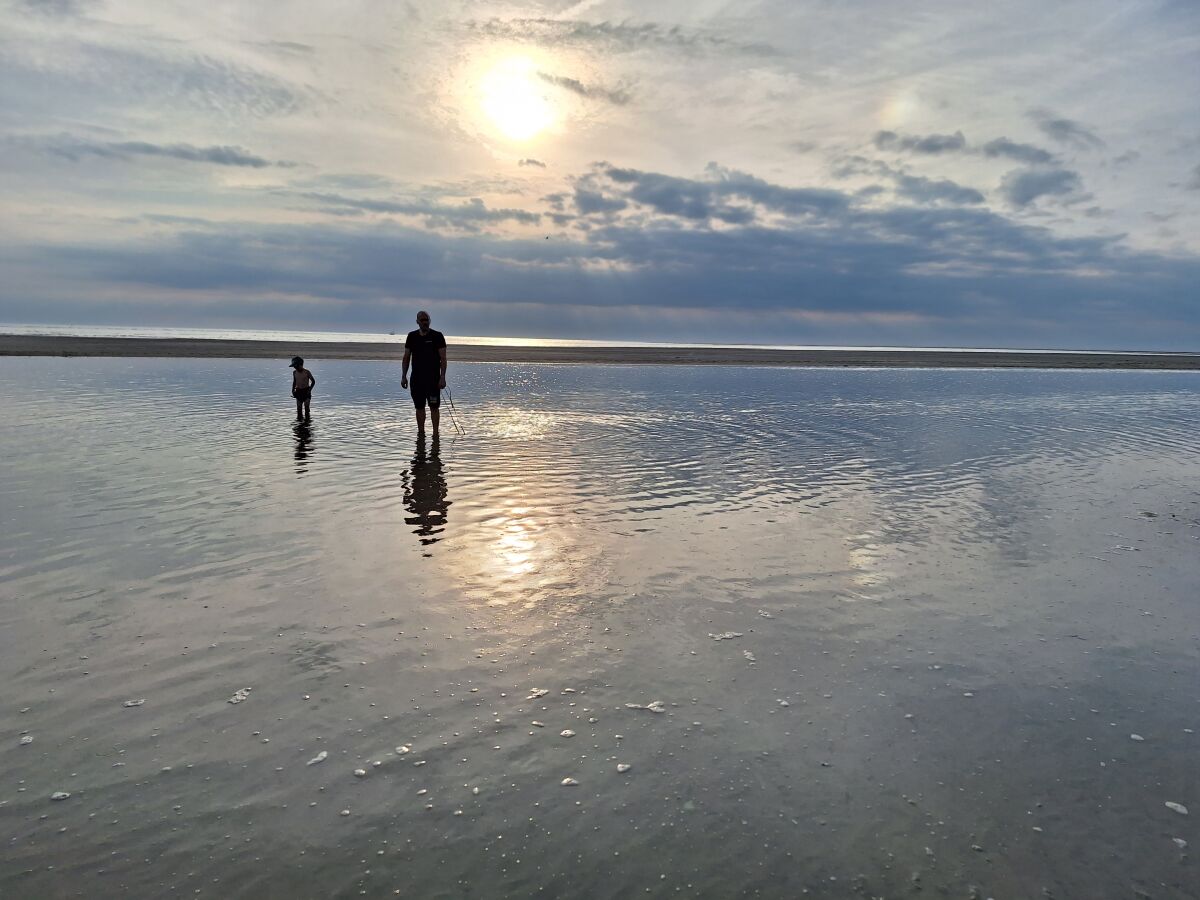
(57, 345)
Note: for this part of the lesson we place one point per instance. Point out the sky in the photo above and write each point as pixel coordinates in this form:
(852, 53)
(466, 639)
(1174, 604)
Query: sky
(1011, 174)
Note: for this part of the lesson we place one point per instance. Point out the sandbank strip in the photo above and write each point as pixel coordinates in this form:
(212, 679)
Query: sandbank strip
(43, 345)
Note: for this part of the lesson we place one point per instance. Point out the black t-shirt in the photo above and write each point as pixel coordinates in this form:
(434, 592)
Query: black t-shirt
(426, 361)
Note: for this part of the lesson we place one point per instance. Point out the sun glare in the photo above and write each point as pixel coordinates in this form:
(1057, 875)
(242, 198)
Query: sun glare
(514, 99)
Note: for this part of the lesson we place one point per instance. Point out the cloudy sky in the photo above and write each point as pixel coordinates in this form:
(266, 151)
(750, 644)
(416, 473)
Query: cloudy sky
(779, 171)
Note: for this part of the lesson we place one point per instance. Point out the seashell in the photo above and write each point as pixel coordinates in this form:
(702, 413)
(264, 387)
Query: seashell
(360, 773)
(320, 757)
(402, 749)
(725, 635)
(569, 782)
(537, 692)
(655, 706)
(566, 732)
(240, 695)
(59, 795)
(623, 767)
(1177, 807)
(28, 739)
(128, 704)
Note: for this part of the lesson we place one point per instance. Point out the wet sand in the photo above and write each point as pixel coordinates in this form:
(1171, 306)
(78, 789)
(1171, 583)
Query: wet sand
(40, 345)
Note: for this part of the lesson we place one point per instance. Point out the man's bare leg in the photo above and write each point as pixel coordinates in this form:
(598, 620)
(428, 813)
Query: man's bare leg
(433, 414)
(421, 420)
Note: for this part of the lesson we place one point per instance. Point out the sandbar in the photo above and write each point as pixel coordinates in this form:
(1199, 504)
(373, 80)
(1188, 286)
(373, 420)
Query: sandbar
(57, 345)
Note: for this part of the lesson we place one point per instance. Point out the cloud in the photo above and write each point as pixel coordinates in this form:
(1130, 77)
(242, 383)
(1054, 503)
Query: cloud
(930, 144)
(806, 264)
(1065, 131)
(76, 76)
(722, 196)
(59, 8)
(612, 36)
(589, 202)
(616, 97)
(1026, 153)
(942, 190)
(1023, 186)
(73, 148)
(531, 162)
(468, 215)
(1194, 182)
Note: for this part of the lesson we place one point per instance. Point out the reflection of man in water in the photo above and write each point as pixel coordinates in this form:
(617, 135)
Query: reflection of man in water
(425, 493)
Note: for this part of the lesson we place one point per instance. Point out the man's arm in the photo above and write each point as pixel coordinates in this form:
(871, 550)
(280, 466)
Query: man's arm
(404, 368)
(442, 359)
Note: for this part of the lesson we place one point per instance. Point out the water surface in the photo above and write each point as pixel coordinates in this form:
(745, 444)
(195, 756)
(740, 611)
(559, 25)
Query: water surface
(956, 596)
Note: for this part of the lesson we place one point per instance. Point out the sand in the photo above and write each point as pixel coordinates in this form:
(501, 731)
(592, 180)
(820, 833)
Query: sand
(38, 345)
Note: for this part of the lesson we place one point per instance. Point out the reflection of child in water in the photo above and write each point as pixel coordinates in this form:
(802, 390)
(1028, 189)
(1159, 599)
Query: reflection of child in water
(302, 385)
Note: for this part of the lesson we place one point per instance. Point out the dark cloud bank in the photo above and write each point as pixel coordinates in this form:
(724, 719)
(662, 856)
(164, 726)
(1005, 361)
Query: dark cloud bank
(644, 255)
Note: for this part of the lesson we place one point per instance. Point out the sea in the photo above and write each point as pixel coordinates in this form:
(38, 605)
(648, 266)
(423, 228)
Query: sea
(617, 631)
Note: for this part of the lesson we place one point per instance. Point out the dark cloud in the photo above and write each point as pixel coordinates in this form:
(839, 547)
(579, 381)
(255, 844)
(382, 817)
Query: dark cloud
(1023, 186)
(722, 196)
(612, 36)
(1065, 131)
(942, 190)
(531, 162)
(1129, 156)
(469, 215)
(830, 269)
(591, 92)
(589, 202)
(1194, 182)
(74, 148)
(1026, 153)
(930, 144)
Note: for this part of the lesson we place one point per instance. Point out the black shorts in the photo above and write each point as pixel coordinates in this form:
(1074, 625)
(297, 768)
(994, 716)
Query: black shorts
(303, 396)
(423, 393)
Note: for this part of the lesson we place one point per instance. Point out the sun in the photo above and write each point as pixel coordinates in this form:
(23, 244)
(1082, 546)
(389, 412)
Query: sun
(513, 97)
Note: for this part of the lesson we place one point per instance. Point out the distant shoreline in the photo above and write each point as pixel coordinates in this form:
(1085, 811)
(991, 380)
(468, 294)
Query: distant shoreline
(45, 345)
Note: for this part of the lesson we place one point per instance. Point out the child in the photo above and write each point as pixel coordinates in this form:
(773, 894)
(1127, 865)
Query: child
(302, 385)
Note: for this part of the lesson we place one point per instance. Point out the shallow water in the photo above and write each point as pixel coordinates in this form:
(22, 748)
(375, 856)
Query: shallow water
(969, 588)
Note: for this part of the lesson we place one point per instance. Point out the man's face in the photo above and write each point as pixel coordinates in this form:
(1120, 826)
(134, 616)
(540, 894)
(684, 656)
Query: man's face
(423, 322)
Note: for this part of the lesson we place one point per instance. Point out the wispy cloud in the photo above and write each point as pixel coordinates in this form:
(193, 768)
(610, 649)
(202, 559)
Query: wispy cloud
(467, 215)
(591, 92)
(930, 144)
(74, 148)
(1065, 131)
(531, 162)
(614, 36)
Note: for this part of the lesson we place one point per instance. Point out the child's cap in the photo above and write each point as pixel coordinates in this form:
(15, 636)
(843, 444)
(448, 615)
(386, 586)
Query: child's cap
(296, 362)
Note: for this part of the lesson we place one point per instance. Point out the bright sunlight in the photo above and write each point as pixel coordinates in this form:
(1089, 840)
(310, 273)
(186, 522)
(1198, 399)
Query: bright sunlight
(513, 98)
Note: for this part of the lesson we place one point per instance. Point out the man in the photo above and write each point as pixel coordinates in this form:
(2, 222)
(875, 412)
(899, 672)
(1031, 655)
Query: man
(426, 350)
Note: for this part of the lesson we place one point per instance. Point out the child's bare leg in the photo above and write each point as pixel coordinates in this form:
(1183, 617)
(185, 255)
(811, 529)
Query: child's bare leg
(306, 403)
(299, 408)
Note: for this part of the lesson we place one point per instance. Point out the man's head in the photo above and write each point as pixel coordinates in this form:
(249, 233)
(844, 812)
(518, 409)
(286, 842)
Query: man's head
(296, 363)
(423, 320)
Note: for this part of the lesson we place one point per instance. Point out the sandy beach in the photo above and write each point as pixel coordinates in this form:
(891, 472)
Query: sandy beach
(42, 345)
